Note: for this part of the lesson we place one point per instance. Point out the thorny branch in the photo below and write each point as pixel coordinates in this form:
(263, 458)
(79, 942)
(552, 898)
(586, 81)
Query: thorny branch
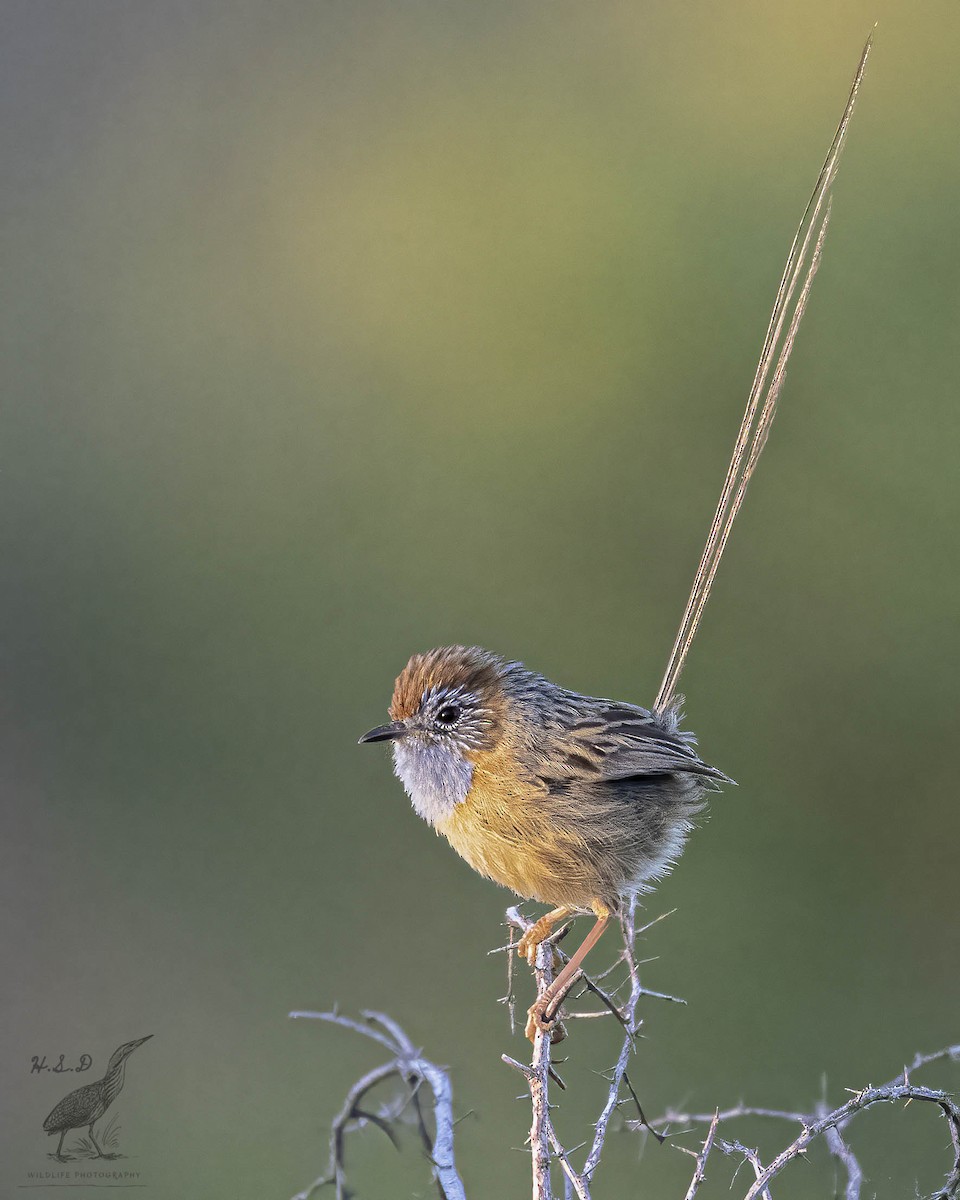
(578, 1182)
(413, 1070)
(549, 1155)
(538, 1074)
(828, 1124)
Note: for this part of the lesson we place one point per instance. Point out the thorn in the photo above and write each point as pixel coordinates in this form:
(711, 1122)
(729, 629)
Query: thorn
(655, 921)
(674, 1133)
(512, 1062)
(557, 1080)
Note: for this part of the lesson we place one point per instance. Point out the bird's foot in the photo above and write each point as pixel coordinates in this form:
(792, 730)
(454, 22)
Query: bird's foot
(538, 932)
(109, 1154)
(527, 946)
(538, 1022)
(63, 1157)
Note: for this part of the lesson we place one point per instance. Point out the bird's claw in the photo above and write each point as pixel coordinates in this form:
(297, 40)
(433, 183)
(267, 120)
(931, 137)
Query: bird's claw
(537, 1022)
(527, 948)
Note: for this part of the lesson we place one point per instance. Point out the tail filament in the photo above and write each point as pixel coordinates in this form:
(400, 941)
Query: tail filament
(761, 407)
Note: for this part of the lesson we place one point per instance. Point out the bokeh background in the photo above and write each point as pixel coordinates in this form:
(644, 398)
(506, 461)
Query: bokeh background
(338, 331)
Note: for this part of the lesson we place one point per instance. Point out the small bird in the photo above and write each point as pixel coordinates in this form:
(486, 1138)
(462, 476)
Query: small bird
(567, 799)
(84, 1106)
(578, 802)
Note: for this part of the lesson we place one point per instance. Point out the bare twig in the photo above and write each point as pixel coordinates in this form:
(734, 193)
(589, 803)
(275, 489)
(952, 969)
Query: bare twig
(574, 1181)
(543, 1135)
(539, 1080)
(538, 1073)
(509, 999)
(846, 1157)
(673, 1117)
(348, 1115)
(830, 1125)
(407, 1064)
(699, 1171)
(747, 1155)
(630, 1024)
(862, 1100)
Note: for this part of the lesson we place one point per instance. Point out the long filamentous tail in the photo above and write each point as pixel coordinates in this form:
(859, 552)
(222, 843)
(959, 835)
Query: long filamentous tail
(792, 295)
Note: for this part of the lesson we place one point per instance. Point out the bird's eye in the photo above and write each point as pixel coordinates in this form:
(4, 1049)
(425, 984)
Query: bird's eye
(449, 714)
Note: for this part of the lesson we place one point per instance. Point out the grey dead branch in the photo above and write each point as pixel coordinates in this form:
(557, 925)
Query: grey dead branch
(409, 1088)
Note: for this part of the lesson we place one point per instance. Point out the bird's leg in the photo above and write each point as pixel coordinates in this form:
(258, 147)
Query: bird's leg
(542, 1014)
(539, 931)
(96, 1144)
(60, 1156)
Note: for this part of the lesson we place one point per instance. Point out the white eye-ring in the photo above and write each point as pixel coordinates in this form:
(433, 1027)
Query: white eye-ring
(449, 715)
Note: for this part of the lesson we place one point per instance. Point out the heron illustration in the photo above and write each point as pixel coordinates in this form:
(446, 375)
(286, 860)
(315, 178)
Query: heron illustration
(84, 1106)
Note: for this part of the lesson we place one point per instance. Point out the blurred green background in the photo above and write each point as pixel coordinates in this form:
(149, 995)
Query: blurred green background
(338, 331)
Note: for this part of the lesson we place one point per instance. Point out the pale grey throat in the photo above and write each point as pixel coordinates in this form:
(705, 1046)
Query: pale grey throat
(435, 777)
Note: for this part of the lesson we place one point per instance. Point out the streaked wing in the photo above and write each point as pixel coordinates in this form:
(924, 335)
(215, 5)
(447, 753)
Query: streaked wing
(623, 742)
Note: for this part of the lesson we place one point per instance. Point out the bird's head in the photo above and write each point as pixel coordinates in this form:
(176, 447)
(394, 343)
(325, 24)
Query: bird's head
(448, 708)
(448, 697)
(123, 1052)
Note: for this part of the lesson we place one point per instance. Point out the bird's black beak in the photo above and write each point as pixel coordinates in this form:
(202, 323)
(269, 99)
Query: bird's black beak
(384, 733)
